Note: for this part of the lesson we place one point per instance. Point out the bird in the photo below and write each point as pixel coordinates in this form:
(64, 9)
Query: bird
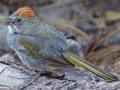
(41, 47)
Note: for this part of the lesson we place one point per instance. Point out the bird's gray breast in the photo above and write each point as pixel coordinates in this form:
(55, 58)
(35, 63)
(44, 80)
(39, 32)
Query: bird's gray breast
(13, 40)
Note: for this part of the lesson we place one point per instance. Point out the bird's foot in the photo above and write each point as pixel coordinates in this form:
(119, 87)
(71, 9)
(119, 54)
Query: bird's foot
(52, 75)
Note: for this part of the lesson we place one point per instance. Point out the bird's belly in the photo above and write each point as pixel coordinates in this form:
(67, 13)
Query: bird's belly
(32, 63)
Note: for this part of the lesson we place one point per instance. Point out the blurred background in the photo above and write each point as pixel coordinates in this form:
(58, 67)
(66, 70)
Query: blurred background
(92, 27)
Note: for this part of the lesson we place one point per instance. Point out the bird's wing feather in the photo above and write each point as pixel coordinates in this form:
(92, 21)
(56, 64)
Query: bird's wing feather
(34, 45)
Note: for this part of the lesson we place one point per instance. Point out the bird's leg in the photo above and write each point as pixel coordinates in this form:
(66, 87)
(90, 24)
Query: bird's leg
(52, 75)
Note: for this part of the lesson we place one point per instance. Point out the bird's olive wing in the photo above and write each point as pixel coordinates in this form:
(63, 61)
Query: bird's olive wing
(34, 45)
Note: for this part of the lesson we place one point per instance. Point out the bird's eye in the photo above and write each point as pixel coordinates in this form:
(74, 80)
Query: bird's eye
(19, 20)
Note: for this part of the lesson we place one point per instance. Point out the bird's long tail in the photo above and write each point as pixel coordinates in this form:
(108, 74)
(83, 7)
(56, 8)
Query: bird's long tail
(78, 61)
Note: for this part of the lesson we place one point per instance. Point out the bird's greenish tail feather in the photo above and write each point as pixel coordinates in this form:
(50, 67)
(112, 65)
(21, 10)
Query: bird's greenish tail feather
(78, 61)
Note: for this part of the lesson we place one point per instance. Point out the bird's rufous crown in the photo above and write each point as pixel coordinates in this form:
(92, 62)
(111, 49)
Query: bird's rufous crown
(25, 11)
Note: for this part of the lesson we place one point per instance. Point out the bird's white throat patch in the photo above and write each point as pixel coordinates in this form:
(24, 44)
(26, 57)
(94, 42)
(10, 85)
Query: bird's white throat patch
(11, 30)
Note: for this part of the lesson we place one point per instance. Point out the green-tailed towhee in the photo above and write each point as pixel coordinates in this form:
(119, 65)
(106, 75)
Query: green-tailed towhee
(42, 47)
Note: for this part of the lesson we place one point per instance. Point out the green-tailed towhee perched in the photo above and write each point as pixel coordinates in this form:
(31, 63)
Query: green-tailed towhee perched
(42, 47)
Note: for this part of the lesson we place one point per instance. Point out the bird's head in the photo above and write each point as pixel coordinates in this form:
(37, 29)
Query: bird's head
(22, 19)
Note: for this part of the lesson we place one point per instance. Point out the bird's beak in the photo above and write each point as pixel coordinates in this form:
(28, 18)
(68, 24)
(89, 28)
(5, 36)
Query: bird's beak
(8, 20)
